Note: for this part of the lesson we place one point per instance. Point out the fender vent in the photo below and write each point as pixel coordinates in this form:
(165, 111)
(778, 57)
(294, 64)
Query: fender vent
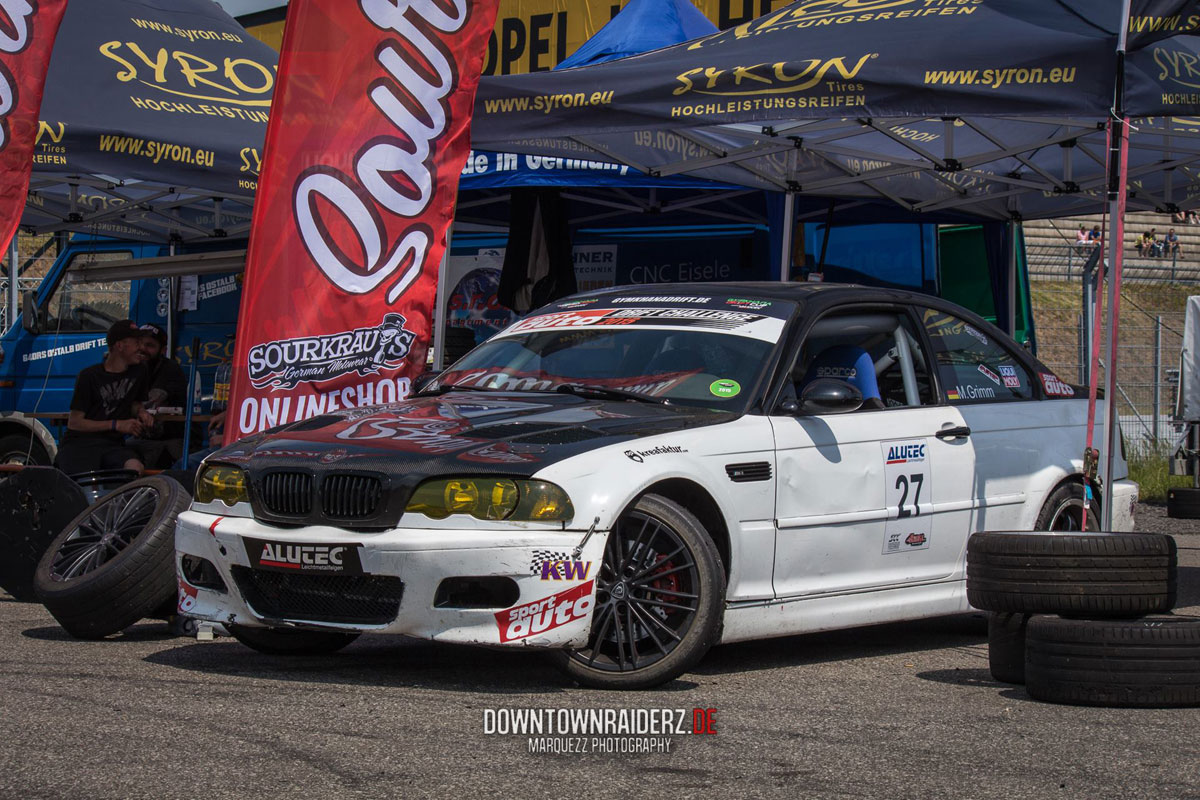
(745, 473)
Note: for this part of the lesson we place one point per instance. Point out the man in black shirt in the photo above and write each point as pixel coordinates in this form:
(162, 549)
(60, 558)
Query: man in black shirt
(106, 406)
(162, 444)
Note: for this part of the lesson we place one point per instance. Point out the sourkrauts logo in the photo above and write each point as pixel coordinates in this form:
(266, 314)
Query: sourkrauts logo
(287, 363)
(393, 173)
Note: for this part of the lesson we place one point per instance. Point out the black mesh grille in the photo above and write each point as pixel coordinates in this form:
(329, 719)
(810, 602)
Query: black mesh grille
(350, 496)
(745, 473)
(349, 599)
(287, 493)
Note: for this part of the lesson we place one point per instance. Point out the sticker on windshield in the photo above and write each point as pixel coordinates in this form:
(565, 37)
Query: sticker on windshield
(908, 491)
(725, 387)
(1054, 386)
(1009, 374)
(987, 373)
(744, 323)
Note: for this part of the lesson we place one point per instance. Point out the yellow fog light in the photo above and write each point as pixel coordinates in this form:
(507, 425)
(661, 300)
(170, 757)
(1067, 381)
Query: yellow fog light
(491, 498)
(224, 483)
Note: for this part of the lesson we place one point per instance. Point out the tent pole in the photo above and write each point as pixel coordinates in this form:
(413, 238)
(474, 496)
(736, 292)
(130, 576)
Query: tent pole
(14, 272)
(1012, 278)
(439, 315)
(785, 256)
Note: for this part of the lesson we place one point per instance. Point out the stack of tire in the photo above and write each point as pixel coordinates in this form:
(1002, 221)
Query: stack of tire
(1084, 618)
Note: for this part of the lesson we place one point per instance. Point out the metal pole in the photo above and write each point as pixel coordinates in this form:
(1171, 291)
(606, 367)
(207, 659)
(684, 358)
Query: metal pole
(785, 257)
(439, 316)
(14, 275)
(1012, 278)
(1157, 376)
(1085, 344)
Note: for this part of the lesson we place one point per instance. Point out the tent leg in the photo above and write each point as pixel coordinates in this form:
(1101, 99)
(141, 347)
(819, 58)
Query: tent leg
(1012, 278)
(14, 272)
(789, 221)
(1112, 428)
(439, 315)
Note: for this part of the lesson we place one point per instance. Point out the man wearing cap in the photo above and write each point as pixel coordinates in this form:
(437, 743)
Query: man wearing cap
(162, 444)
(107, 406)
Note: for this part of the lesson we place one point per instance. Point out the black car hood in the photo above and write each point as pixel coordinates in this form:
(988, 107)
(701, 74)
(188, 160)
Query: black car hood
(511, 433)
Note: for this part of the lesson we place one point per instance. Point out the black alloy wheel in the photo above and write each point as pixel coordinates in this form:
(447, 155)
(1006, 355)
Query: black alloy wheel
(659, 593)
(104, 533)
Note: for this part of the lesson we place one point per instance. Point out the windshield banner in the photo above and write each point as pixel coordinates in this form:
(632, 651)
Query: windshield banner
(357, 192)
(27, 32)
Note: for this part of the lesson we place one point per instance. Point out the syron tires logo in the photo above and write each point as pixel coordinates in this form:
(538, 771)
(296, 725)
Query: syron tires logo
(391, 173)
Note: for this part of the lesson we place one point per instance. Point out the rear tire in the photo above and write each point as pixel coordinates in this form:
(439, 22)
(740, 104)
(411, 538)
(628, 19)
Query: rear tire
(289, 641)
(1153, 662)
(1076, 574)
(114, 563)
(1006, 647)
(660, 594)
(20, 448)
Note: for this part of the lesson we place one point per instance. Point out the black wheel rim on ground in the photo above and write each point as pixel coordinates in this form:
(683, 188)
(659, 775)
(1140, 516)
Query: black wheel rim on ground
(647, 596)
(104, 533)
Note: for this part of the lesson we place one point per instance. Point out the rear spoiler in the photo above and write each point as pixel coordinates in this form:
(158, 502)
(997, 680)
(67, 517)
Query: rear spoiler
(164, 267)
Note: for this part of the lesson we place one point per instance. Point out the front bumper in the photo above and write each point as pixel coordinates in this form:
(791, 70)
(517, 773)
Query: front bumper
(552, 608)
(1124, 498)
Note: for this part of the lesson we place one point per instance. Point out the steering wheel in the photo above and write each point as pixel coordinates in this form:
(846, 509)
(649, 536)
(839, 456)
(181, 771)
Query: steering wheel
(83, 313)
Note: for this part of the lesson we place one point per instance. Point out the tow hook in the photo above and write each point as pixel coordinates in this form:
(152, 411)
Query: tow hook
(579, 548)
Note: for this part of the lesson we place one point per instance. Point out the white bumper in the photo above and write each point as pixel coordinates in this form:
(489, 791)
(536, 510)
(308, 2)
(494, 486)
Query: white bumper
(1124, 498)
(551, 609)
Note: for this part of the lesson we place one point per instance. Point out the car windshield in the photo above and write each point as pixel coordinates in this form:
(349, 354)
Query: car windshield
(710, 356)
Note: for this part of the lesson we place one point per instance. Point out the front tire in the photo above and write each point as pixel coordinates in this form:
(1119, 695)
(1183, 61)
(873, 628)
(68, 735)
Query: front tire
(1063, 510)
(290, 641)
(659, 599)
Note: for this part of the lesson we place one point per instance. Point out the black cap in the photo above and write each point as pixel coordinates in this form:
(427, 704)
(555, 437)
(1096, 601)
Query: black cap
(150, 329)
(122, 329)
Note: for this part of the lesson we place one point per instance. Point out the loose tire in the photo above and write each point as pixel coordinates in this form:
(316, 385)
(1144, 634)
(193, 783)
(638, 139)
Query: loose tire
(115, 562)
(1153, 662)
(21, 448)
(1183, 503)
(1075, 574)
(1006, 647)
(289, 641)
(35, 505)
(659, 599)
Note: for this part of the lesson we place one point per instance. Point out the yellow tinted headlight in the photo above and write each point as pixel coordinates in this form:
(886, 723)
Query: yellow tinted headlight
(491, 498)
(224, 483)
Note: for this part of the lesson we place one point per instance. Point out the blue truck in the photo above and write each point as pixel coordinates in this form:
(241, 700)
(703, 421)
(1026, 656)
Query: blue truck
(94, 282)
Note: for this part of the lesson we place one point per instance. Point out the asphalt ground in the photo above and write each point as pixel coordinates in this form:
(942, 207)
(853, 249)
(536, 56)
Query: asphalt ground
(895, 711)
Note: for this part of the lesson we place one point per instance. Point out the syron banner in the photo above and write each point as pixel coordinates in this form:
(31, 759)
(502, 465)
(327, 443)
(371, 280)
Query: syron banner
(27, 31)
(369, 131)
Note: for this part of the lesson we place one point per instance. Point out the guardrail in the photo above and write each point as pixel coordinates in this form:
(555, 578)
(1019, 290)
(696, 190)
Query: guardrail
(1067, 261)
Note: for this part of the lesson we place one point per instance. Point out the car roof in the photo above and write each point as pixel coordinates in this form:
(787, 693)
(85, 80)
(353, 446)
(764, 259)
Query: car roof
(826, 293)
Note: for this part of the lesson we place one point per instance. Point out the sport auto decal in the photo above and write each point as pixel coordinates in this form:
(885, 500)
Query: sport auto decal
(685, 317)
(908, 493)
(1054, 386)
(342, 559)
(187, 596)
(520, 622)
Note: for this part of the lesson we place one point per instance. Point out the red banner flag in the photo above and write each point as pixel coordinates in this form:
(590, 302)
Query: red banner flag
(27, 31)
(369, 131)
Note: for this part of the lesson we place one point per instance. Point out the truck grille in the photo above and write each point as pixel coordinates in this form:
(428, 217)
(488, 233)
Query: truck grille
(347, 599)
(287, 493)
(350, 496)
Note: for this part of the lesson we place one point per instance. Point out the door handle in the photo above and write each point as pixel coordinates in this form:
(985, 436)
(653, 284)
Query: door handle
(953, 433)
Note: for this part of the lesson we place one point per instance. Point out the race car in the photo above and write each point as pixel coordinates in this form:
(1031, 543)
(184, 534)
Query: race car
(629, 476)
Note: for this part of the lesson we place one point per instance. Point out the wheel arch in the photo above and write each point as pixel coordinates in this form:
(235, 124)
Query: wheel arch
(18, 424)
(696, 499)
(1071, 479)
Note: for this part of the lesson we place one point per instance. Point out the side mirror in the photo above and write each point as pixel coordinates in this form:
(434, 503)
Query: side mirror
(830, 396)
(29, 313)
(421, 381)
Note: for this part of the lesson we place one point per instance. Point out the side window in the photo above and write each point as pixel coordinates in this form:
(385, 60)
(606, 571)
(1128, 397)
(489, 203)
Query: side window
(88, 307)
(972, 366)
(876, 351)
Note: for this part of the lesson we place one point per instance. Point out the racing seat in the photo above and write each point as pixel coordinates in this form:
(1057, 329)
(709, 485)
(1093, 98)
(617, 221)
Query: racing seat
(848, 363)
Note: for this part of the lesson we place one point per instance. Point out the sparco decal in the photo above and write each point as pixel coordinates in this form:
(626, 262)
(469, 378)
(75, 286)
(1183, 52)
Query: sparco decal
(546, 614)
(394, 173)
(316, 359)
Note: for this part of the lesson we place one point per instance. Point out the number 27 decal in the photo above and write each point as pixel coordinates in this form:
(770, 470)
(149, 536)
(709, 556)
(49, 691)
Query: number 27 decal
(903, 482)
(908, 489)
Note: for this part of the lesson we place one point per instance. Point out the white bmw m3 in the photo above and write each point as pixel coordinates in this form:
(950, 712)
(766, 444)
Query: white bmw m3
(629, 476)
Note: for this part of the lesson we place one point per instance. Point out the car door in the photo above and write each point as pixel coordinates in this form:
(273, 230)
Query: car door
(873, 498)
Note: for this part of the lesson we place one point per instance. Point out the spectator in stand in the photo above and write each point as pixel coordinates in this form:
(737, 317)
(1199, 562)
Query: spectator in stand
(1179, 217)
(1155, 246)
(1143, 245)
(1096, 237)
(1171, 244)
(107, 406)
(1192, 217)
(1082, 242)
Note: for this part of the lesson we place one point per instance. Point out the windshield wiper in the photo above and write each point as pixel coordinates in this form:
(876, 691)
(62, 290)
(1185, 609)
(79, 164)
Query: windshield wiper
(610, 394)
(450, 387)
